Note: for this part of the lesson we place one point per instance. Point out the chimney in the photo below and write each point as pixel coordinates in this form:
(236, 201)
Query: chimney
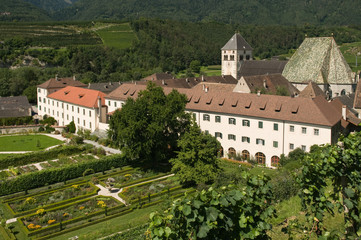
(88, 85)
(56, 77)
(163, 83)
(110, 83)
(202, 78)
(344, 112)
(74, 78)
(204, 87)
(258, 93)
(187, 80)
(264, 83)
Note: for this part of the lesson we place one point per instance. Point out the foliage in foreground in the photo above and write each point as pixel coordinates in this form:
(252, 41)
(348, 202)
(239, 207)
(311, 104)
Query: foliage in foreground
(228, 213)
(149, 127)
(196, 161)
(339, 165)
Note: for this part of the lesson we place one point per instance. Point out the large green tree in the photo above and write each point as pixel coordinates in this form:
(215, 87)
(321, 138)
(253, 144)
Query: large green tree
(196, 161)
(149, 127)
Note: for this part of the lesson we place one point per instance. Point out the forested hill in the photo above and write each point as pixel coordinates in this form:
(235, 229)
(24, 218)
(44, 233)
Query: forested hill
(19, 10)
(284, 12)
(51, 5)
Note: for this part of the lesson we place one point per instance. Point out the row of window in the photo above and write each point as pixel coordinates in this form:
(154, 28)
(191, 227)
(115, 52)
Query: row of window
(115, 104)
(259, 141)
(246, 123)
(231, 57)
(67, 107)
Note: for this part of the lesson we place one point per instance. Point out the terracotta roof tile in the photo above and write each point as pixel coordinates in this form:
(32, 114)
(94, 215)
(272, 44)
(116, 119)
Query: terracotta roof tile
(304, 110)
(79, 96)
(312, 90)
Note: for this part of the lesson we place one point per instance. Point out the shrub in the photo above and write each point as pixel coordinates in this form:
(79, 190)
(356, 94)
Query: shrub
(71, 127)
(76, 140)
(284, 186)
(33, 157)
(55, 175)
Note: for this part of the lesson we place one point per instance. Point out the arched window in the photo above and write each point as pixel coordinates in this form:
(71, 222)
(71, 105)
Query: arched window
(260, 158)
(245, 155)
(275, 160)
(231, 152)
(343, 92)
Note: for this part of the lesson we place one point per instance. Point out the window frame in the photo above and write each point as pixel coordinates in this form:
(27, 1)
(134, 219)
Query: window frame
(206, 117)
(246, 123)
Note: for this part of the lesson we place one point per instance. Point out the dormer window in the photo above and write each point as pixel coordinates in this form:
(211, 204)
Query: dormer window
(81, 95)
(66, 92)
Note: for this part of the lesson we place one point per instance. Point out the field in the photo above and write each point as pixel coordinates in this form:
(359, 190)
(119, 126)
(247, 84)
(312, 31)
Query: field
(50, 35)
(118, 36)
(350, 51)
(26, 143)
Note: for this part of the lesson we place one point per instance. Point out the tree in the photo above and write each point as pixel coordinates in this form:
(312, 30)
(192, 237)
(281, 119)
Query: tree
(196, 162)
(71, 127)
(339, 167)
(195, 66)
(227, 213)
(148, 128)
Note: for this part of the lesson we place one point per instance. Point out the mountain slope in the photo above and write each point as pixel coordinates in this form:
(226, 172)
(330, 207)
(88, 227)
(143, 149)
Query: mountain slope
(285, 12)
(51, 5)
(18, 10)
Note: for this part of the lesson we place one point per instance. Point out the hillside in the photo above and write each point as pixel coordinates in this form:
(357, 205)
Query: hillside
(284, 12)
(51, 5)
(18, 10)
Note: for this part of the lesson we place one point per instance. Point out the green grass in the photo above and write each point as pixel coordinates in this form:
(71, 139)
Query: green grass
(349, 51)
(26, 143)
(2, 156)
(118, 36)
(121, 223)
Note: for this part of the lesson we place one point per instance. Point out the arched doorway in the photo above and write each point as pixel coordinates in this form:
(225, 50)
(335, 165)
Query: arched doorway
(260, 158)
(275, 161)
(231, 152)
(245, 155)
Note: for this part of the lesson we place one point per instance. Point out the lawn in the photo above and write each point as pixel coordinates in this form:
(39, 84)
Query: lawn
(26, 143)
(2, 156)
(121, 223)
(349, 51)
(118, 36)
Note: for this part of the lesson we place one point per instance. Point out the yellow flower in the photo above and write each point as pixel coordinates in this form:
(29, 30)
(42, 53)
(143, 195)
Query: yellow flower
(40, 212)
(81, 207)
(37, 226)
(76, 187)
(30, 200)
(65, 214)
(31, 226)
(51, 221)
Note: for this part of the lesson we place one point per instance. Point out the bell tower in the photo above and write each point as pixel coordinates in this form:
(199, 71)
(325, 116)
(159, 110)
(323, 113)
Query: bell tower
(234, 53)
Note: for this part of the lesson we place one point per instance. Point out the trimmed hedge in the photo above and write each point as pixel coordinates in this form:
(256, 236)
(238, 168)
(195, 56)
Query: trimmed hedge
(6, 234)
(54, 175)
(16, 121)
(35, 157)
(53, 205)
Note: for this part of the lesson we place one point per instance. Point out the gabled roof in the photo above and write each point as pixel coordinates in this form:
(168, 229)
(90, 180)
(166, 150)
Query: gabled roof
(218, 100)
(158, 76)
(61, 83)
(104, 87)
(79, 96)
(312, 90)
(14, 107)
(256, 67)
(318, 60)
(270, 83)
(237, 42)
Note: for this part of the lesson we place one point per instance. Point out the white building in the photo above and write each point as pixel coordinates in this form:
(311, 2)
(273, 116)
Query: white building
(260, 126)
(85, 107)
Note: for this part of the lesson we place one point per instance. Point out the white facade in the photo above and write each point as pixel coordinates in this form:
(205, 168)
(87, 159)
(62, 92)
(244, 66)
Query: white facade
(260, 135)
(64, 112)
(232, 60)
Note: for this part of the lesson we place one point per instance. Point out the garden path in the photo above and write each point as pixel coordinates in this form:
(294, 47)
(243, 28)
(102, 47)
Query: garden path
(105, 192)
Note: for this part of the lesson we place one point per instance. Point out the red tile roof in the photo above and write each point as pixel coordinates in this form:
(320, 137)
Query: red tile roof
(61, 83)
(304, 110)
(79, 96)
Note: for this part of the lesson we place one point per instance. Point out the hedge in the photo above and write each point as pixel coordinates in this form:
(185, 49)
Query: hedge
(53, 205)
(6, 234)
(67, 222)
(16, 121)
(54, 175)
(34, 157)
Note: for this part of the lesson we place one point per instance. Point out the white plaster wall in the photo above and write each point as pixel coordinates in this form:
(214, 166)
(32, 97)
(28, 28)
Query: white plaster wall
(242, 86)
(113, 104)
(337, 88)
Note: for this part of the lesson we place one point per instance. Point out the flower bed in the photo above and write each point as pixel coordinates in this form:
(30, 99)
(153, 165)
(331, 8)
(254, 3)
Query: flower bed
(33, 202)
(45, 218)
(67, 160)
(143, 190)
(125, 179)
